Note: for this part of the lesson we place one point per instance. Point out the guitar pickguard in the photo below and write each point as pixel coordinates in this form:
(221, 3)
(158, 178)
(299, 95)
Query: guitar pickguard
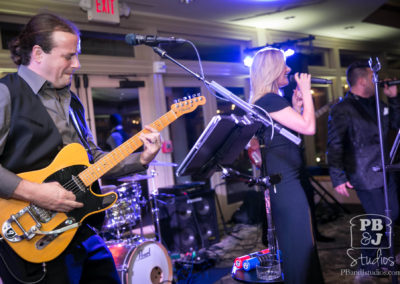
(68, 178)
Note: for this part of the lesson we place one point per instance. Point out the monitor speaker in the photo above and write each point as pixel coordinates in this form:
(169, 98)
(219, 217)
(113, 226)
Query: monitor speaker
(189, 221)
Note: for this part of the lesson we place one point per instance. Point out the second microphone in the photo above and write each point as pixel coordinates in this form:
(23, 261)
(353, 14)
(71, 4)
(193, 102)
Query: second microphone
(313, 80)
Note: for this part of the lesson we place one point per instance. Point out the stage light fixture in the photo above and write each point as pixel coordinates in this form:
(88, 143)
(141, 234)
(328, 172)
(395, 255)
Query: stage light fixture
(289, 52)
(248, 60)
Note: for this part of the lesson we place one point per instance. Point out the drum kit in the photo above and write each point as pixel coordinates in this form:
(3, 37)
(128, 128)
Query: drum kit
(138, 260)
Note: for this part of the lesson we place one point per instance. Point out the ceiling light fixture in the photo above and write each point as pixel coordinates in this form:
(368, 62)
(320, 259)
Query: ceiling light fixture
(186, 1)
(289, 17)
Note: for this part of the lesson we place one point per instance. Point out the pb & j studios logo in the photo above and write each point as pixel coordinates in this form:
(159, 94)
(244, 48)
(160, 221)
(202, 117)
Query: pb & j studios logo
(370, 243)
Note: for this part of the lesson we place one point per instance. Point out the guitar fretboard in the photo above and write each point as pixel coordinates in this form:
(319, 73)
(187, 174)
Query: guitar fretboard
(102, 166)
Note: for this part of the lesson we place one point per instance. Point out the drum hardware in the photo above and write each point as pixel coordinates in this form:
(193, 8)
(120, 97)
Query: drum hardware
(107, 188)
(155, 210)
(125, 213)
(135, 178)
(138, 260)
(162, 164)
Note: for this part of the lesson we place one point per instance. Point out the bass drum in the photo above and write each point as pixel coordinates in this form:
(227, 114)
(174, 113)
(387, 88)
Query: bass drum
(145, 263)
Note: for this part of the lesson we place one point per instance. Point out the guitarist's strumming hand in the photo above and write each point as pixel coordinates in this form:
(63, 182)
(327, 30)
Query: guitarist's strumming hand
(49, 195)
(151, 143)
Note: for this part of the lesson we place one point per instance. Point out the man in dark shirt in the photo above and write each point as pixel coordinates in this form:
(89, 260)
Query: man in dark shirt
(118, 134)
(39, 115)
(353, 141)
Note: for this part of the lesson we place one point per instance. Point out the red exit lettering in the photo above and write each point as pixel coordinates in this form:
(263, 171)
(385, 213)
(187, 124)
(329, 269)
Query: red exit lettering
(105, 6)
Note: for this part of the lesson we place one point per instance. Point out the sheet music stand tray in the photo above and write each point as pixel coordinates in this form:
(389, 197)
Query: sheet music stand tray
(219, 145)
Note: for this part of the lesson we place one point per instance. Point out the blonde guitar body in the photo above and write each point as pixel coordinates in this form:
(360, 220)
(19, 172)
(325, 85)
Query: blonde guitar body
(71, 158)
(39, 235)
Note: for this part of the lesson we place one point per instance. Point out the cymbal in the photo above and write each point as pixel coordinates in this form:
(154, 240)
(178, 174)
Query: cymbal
(136, 177)
(162, 164)
(107, 188)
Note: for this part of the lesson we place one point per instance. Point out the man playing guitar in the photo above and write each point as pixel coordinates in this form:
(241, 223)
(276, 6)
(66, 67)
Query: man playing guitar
(39, 115)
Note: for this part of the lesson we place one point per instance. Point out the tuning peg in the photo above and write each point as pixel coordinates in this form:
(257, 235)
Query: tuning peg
(175, 101)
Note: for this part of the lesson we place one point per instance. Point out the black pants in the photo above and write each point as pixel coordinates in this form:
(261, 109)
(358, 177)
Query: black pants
(86, 260)
(290, 211)
(373, 202)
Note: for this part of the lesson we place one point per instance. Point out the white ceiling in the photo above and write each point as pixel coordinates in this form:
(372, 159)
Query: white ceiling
(333, 18)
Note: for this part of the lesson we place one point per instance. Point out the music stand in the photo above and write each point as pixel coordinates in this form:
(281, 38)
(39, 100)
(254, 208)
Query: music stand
(219, 145)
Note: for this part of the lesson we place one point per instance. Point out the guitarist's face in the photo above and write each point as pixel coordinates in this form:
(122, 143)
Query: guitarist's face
(59, 64)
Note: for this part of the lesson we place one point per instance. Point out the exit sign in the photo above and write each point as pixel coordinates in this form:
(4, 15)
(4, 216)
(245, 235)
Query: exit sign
(106, 11)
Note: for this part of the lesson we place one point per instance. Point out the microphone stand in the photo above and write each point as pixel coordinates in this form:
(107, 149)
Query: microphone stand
(251, 112)
(375, 79)
(266, 182)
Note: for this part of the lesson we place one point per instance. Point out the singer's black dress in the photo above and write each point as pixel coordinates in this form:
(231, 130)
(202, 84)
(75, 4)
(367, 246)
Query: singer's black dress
(289, 206)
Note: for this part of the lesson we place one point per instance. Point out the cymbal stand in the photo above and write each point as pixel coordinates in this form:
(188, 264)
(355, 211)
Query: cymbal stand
(154, 208)
(141, 203)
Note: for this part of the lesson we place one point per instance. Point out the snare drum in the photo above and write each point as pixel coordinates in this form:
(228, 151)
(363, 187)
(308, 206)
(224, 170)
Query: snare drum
(145, 263)
(126, 212)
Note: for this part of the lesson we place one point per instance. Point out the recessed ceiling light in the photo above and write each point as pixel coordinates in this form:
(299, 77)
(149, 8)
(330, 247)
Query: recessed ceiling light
(186, 1)
(289, 17)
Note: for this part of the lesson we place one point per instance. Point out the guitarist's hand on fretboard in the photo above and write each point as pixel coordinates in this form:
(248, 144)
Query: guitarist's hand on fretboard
(151, 144)
(50, 196)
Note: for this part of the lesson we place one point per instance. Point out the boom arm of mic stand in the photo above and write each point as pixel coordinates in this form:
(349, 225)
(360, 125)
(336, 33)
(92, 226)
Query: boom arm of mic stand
(251, 112)
(267, 181)
(233, 98)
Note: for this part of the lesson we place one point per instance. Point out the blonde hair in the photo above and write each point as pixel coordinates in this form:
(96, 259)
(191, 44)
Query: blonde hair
(268, 64)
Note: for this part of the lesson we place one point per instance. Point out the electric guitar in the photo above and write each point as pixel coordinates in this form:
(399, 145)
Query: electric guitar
(40, 235)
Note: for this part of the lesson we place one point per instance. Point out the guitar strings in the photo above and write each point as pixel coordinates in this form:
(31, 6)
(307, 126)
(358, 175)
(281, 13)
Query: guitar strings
(75, 188)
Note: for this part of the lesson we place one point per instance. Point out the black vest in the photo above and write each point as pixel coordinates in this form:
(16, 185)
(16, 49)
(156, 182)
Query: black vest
(33, 140)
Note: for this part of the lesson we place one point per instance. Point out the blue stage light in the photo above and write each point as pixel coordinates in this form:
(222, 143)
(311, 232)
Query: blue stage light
(289, 52)
(248, 60)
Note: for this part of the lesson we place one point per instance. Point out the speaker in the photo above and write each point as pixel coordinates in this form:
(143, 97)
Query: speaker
(189, 221)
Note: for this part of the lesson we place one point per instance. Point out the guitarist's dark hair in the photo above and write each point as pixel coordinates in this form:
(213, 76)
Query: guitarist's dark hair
(38, 31)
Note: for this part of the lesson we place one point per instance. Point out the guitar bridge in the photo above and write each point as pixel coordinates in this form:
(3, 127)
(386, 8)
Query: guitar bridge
(11, 235)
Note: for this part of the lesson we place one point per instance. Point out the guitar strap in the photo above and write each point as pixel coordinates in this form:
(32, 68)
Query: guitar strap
(95, 221)
(79, 131)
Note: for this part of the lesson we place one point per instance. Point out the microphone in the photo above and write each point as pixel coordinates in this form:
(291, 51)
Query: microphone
(134, 39)
(382, 83)
(313, 80)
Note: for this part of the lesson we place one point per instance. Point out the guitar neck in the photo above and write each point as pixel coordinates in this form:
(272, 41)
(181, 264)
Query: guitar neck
(102, 166)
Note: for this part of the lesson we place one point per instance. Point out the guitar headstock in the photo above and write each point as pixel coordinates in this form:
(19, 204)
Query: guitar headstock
(188, 104)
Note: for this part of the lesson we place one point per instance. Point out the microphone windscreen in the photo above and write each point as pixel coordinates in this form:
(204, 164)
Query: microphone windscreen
(130, 39)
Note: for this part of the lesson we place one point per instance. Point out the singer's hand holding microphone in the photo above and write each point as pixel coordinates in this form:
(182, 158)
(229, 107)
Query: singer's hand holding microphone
(303, 81)
(389, 87)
